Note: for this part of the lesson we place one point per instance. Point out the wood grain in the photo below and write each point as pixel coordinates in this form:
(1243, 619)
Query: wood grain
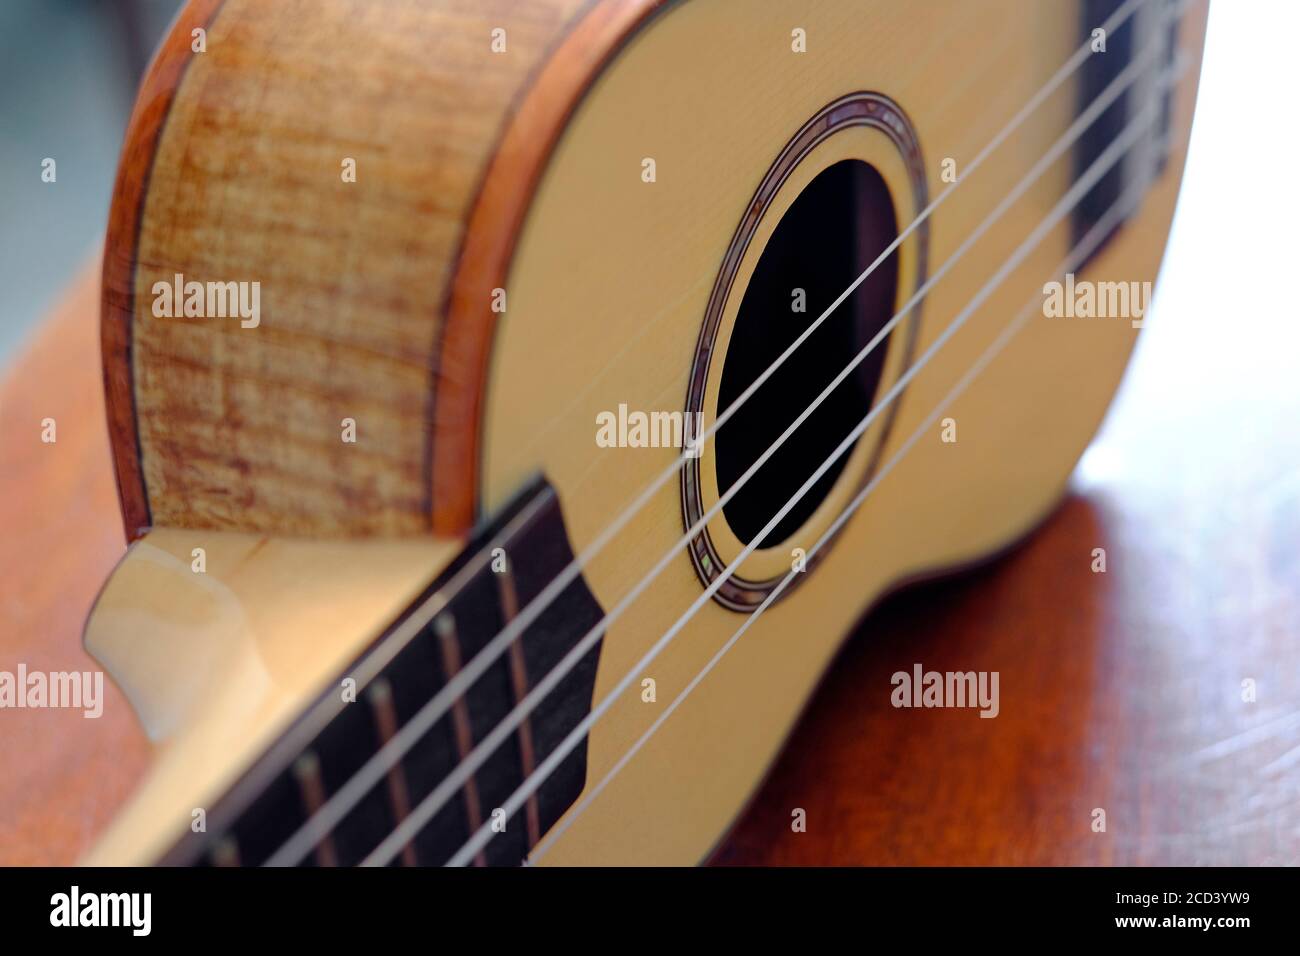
(1116, 693)
(153, 101)
(64, 775)
(490, 236)
(240, 428)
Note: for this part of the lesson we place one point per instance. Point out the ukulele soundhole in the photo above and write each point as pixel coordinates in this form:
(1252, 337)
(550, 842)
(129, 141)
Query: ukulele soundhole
(837, 227)
(829, 230)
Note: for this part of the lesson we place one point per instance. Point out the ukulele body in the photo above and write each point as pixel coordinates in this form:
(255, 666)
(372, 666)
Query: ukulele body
(538, 243)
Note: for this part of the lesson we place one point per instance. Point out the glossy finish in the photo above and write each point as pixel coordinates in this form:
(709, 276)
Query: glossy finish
(535, 125)
(1119, 690)
(153, 102)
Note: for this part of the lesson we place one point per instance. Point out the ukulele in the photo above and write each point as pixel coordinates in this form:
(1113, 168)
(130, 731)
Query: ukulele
(515, 405)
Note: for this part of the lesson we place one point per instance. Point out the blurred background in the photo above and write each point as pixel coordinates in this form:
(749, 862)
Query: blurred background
(68, 71)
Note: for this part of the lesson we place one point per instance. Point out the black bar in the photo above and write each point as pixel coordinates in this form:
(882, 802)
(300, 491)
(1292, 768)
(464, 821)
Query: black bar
(336, 907)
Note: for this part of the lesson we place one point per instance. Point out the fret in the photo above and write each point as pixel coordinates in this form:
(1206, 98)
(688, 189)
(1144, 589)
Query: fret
(306, 770)
(520, 686)
(445, 627)
(335, 738)
(1147, 25)
(380, 696)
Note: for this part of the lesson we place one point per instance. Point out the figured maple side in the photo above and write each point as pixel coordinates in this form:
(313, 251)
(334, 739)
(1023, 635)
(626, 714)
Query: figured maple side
(118, 288)
(232, 171)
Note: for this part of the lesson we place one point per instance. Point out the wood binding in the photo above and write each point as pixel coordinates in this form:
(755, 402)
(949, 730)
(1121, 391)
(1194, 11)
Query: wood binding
(354, 275)
(153, 103)
(484, 261)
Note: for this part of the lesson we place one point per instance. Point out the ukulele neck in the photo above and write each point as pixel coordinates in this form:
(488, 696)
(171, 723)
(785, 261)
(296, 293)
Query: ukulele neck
(438, 650)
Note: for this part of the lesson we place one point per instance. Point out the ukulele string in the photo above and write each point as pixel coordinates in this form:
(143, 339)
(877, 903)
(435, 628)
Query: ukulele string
(1079, 254)
(341, 802)
(356, 787)
(1117, 19)
(485, 832)
(424, 811)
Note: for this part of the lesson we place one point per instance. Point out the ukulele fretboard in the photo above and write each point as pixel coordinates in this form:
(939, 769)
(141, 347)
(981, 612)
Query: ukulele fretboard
(505, 567)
